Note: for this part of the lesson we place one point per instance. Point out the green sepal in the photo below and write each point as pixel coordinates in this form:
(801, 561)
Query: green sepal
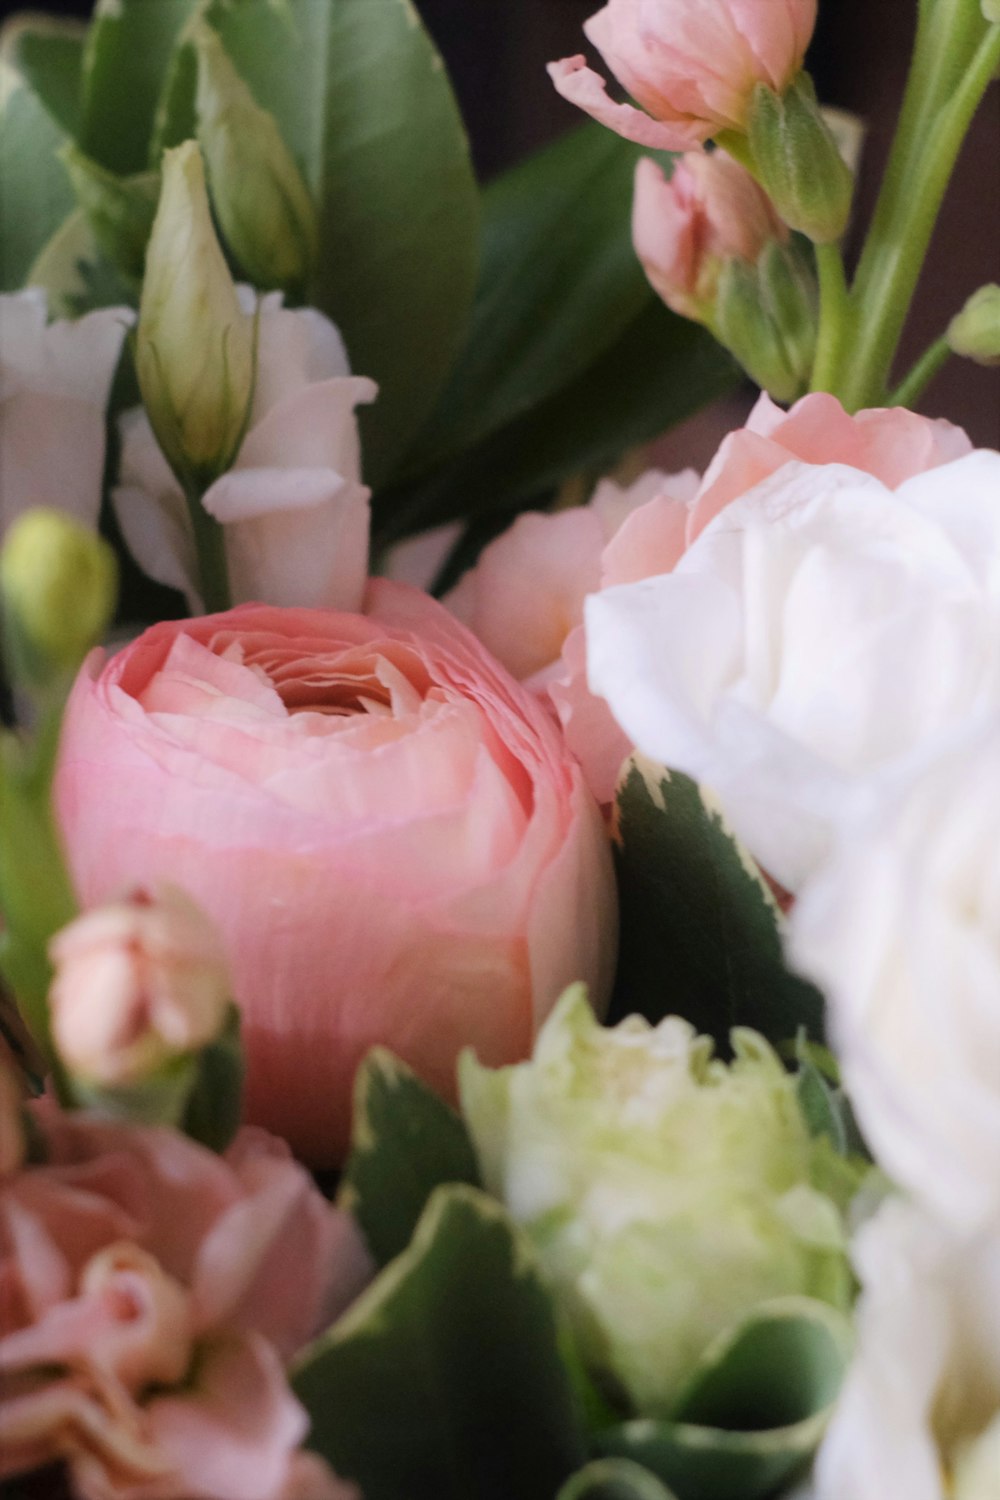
(798, 162)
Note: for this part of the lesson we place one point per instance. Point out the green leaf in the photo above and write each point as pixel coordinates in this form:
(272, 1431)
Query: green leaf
(405, 1143)
(614, 1479)
(120, 210)
(365, 106)
(701, 932)
(127, 56)
(215, 1104)
(559, 283)
(822, 1106)
(443, 1381)
(35, 193)
(48, 55)
(661, 370)
(756, 1411)
(61, 266)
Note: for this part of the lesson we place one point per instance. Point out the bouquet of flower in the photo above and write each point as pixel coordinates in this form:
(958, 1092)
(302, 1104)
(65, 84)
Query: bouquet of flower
(500, 944)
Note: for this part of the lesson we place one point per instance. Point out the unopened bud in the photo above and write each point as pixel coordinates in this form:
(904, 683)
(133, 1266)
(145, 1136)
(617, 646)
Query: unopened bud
(138, 985)
(975, 332)
(58, 583)
(748, 326)
(195, 344)
(798, 161)
(263, 205)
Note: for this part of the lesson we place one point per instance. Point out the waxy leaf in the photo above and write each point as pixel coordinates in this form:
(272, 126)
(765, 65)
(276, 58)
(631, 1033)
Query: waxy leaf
(405, 1142)
(701, 931)
(35, 192)
(48, 54)
(443, 1381)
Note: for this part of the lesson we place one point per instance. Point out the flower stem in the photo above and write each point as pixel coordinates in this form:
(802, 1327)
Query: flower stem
(210, 545)
(833, 310)
(931, 135)
(912, 387)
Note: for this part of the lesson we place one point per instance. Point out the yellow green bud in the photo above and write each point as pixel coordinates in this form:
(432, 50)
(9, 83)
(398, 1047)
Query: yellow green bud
(975, 332)
(262, 203)
(58, 583)
(798, 162)
(194, 350)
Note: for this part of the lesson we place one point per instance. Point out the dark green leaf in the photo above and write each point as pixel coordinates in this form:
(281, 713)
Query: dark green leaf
(364, 104)
(614, 1479)
(127, 56)
(821, 1106)
(755, 1413)
(559, 284)
(35, 193)
(443, 1382)
(661, 370)
(215, 1104)
(405, 1143)
(48, 54)
(701, 932)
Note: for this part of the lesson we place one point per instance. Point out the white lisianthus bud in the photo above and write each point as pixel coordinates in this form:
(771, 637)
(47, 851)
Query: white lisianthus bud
(58, 582)
(267, 215)
(667, 1193)
(195, 344)
(137, 985)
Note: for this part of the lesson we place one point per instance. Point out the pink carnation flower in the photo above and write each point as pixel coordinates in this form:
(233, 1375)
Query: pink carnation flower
(151, 1294)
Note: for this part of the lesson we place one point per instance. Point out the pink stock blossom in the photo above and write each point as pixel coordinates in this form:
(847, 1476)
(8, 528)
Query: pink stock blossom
(151, 1294)
(524, 598)
(387, 829)
(685, 228)
(692, 65)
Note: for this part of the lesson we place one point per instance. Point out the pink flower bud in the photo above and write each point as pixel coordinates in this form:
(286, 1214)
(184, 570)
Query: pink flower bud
(691, 64)
(684, 230)
(137, 983)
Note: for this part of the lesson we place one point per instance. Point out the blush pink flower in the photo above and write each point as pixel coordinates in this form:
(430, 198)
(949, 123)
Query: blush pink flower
(387, 830)
(685, 229)
(524, 598)
(691, 64)
(151, 1294)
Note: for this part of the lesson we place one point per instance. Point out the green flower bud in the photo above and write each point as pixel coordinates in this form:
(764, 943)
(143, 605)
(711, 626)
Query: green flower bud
(194, 350)
(766, 316)
(798, 161)
(975, 332)
(58, 582)
(667, 1194)
(263, 205)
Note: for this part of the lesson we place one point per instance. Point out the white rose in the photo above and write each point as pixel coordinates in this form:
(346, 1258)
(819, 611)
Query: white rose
(819, 640)
(902, 930)
(293, 506)
(919, 1416)
(55, 379)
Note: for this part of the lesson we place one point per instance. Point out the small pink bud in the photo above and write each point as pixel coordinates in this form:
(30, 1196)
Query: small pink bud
(137, 984)
(711, 211)
(691, 64)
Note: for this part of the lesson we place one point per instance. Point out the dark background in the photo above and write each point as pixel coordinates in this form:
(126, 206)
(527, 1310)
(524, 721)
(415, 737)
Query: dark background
(497, 50)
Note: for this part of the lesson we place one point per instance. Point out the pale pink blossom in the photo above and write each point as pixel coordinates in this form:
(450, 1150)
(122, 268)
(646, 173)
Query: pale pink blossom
(136, 983)
(151, 1294)
(685, 229)
(692, 65)
(387, 829)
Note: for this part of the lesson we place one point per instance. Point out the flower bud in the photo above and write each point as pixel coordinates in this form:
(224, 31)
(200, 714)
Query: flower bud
(138, 985)
(195, 345)
(975, 332)
(58, 581)
(766, 316)
(798, 161)
(263, 205)
(667, 1194)
(687, 228)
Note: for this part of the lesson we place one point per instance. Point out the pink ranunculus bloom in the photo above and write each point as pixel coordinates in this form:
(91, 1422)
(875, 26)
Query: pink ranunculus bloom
(685, 229)
(524, 598)
(137, 983)
(151, 1295)
(387, 829)
(691, 64)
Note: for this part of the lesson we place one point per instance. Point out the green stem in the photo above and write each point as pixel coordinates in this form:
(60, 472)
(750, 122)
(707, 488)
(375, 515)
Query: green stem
(833, 312)
(901, 234)
(210, 545)
(910, 389)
